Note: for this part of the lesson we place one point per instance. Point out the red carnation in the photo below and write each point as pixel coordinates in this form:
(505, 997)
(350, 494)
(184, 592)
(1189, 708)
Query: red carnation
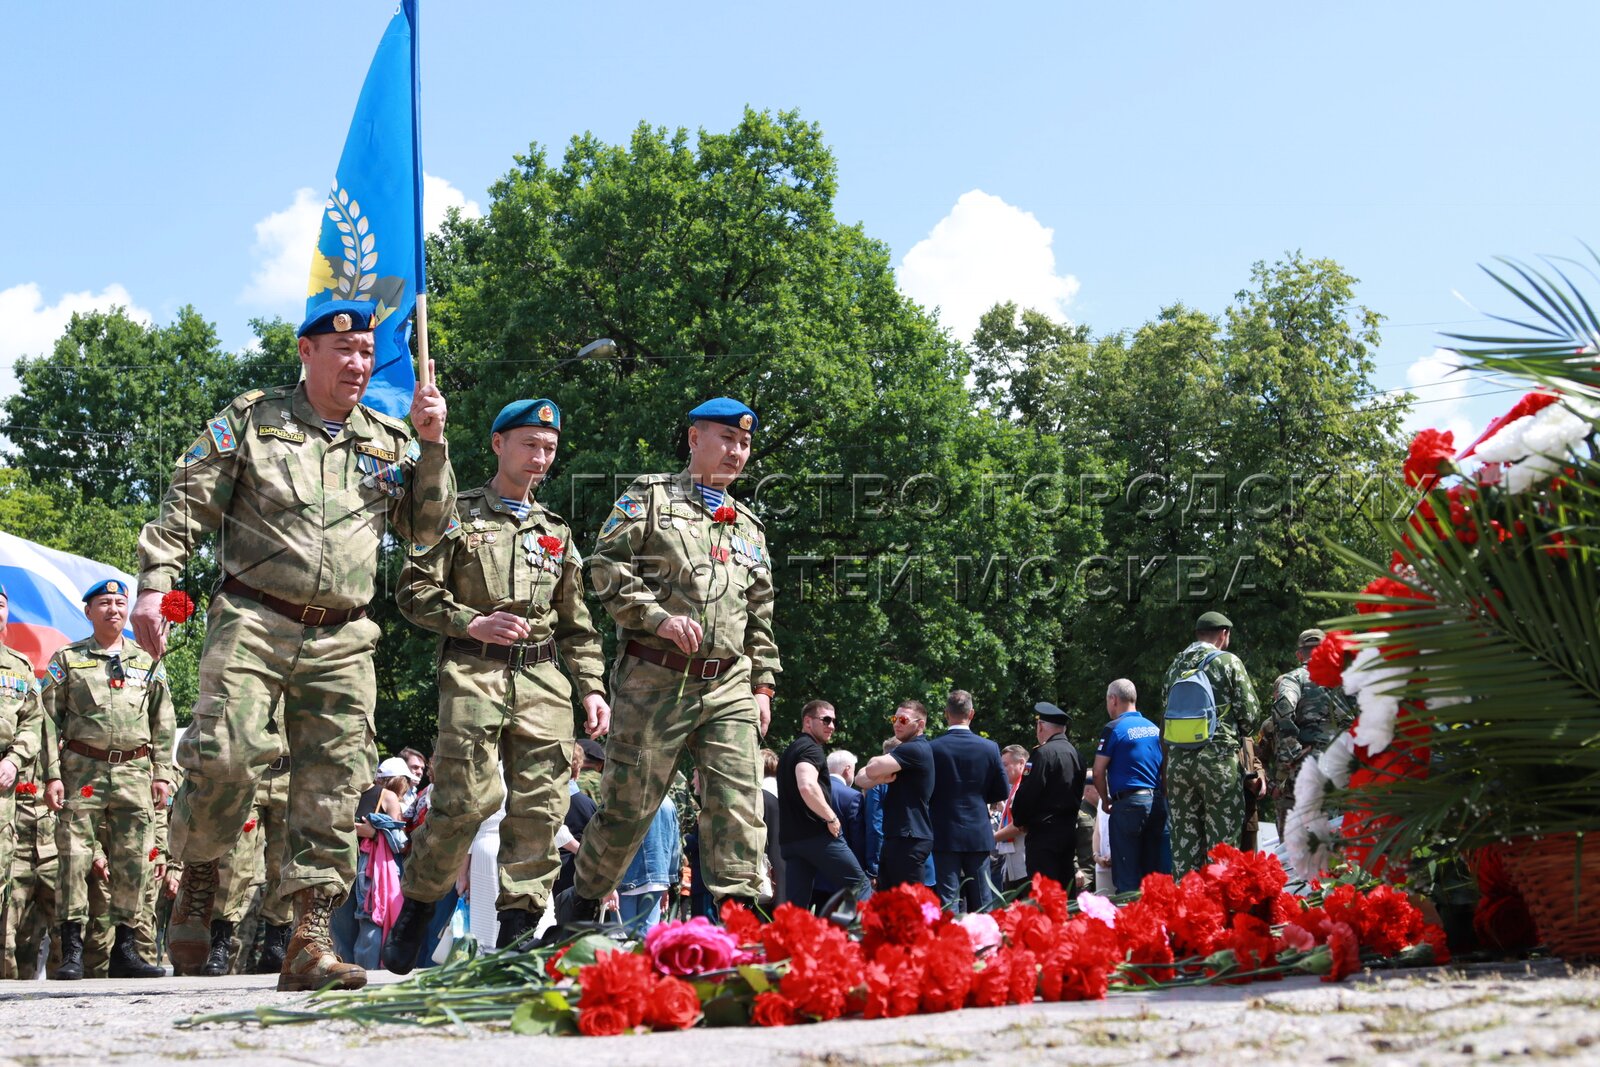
(1430, 456)
(1346, 952)
(1392, 590)
(154, 852)
(771, 1009)
(725, 515)
(615, 993)
(673, 1005)
(1326, 665)
(86, 791)
(551, 545)
(177, 607)
(250, 824)
(740, 921)
(552, 966)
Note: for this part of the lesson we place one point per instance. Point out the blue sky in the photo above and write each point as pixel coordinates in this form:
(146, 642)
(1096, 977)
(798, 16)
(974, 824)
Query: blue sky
(1098, 160)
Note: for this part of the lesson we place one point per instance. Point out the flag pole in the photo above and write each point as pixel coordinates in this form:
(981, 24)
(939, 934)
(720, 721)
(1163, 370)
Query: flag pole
(424, 365)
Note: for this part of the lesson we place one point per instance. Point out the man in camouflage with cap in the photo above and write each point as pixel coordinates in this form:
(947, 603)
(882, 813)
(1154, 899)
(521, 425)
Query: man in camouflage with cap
(1205, 784)
(685, 571)
(108, 762)
(504, 590)
(303, 482)
(1305, 719)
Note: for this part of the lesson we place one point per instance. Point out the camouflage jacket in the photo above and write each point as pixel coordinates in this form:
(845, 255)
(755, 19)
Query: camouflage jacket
(1238, 711)
(35, 822)
(81, 703)
(20, 713)
(1306, 717)
(660, 554)
(301, 516)
(488, 562)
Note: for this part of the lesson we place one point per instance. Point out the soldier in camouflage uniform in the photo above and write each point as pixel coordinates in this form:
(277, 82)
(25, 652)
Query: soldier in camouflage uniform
(254, 863)
(21, 730)
(303, 481)
(1205, 787)
(685, 571)
(504, 591)
(1305, 719)
(30, 911)
(106, 702)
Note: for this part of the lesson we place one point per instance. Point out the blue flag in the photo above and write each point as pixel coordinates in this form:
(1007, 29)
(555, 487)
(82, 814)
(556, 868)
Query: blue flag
(370, 247)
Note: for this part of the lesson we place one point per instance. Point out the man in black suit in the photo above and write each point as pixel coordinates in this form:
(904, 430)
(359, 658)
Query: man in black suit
(967, 778)
(1047, 800)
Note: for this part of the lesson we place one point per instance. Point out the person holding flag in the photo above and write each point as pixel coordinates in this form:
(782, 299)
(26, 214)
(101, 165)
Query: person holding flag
(504, 591)
(304, 481)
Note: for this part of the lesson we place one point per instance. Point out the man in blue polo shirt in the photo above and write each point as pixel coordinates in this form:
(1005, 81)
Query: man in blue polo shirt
(1127, 772)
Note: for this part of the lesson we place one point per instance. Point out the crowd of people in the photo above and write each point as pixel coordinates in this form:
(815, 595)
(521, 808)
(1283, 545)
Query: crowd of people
(282, 844)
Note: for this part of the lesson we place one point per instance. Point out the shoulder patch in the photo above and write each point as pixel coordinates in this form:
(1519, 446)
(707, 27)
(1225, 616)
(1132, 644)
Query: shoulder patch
(222, 435)
(628, 506)
(197, 451)
(57, 672)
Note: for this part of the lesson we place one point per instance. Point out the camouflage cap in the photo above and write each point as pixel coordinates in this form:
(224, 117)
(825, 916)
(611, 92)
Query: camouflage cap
(1213, 620)
(1310, 638)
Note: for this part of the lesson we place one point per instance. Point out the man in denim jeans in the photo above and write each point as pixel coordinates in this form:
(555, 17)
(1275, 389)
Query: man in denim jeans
(1127, 772)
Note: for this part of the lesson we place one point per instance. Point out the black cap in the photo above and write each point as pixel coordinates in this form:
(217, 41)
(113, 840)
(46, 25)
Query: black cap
(1050, 713)
(592, 750)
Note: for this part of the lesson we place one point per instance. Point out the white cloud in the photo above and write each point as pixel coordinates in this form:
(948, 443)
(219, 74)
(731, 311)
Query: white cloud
(983, 252)
(438, 196)
(30, 327)
(285, 240)
(1441, 396)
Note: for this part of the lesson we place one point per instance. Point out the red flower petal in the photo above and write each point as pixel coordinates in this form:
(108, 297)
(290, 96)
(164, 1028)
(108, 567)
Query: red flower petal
(177, 607)
(86, 791)
(725, 514)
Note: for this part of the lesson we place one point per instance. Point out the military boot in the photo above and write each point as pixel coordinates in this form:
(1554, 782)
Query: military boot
(125, 959)
(272, 949)
(405, 937)
(514, 922)
(310, 961)
(220, 958)
(189, 932)
(71, 968)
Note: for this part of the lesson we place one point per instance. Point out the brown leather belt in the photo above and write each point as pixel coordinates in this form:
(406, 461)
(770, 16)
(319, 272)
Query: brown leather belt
(114, 755)
(704, 669)
(518, 656)
(304, 614)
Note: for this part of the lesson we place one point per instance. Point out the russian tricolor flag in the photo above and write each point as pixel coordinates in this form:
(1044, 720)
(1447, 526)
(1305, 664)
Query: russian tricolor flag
(44, 590)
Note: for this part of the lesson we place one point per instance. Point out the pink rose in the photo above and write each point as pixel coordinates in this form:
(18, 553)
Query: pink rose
(983, 930)
(692, 947)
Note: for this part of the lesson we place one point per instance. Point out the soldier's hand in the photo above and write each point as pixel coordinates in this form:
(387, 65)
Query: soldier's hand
(160, 790)
(8, 774)
(170, 882)
(55, 795)
(683, 632)
(596, 715)
(763, 713)
(100, 869)
(501, 628)
(428, 409)
(149, 628)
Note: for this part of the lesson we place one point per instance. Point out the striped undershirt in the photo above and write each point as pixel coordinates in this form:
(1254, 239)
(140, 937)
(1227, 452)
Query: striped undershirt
(332, 427)
(712, 497)
(519, 508)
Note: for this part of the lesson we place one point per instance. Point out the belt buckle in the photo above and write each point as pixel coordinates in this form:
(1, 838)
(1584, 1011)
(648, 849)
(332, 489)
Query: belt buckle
(322, 613)
(709, 669)
(114, 756)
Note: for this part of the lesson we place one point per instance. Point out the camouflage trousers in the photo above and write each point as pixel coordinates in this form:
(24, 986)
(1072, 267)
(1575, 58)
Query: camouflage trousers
(270, 685)
(8, 839)
(256, 859)
(1205, 801)
(490, 717)
(656, 713)
(30, 914)
(117, 816)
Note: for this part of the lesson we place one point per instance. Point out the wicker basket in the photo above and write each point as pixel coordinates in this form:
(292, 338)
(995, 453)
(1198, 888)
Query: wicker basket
(1556, 880)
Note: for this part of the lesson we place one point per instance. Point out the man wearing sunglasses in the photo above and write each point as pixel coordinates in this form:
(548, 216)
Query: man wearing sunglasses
(907, 827)
(810, 832)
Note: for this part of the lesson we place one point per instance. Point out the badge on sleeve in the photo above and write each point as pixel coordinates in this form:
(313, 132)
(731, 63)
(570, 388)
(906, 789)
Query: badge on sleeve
(222, 434)
(57, 674)
(197, 451)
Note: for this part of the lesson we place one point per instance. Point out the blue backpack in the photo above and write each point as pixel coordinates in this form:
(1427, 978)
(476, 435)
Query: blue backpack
(1191, 714)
